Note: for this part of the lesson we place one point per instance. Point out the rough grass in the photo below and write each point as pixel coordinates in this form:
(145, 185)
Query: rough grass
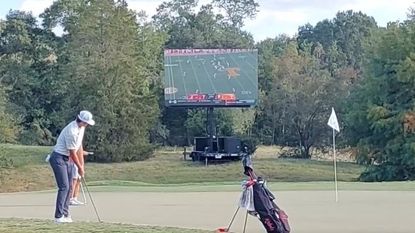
(24, 155)
(31, 173)
(44, 226)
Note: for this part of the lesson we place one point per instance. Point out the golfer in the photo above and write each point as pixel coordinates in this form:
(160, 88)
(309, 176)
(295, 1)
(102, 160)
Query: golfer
(67, 145)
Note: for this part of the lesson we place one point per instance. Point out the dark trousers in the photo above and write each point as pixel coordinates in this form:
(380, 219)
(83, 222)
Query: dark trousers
(63, 172)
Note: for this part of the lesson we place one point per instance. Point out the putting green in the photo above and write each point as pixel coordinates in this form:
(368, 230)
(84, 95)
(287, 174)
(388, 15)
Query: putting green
(309, 211)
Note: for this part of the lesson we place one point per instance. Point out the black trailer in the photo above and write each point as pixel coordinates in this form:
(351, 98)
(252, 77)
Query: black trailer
(216, 148)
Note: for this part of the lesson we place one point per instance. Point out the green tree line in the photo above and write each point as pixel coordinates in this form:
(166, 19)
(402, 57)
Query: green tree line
(109, 60)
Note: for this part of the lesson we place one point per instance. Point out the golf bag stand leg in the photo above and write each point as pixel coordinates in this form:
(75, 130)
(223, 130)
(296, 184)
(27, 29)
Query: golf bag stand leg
(246, 220)
(233, 218)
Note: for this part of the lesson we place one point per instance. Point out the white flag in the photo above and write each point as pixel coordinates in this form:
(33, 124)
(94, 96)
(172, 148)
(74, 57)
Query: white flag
(333, 123)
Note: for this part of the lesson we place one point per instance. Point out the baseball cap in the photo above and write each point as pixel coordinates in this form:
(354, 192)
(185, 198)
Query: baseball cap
(86, 117)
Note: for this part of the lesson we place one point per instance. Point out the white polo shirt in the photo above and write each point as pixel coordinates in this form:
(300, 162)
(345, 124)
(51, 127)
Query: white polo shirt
(69, 139)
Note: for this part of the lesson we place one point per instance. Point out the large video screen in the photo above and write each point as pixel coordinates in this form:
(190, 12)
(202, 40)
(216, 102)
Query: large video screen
(210, 77)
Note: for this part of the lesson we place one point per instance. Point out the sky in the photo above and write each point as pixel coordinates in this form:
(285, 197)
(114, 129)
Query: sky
(275, 17)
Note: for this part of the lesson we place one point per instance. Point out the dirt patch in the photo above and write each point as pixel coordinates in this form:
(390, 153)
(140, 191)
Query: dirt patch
(325, 154)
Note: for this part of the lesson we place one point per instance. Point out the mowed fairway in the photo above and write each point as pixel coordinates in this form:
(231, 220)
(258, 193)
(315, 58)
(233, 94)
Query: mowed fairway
(309, 211)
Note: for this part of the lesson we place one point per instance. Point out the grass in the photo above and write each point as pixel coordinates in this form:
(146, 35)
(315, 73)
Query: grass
(44, 226)
(123, 186)
(31, 173)
(24, 155)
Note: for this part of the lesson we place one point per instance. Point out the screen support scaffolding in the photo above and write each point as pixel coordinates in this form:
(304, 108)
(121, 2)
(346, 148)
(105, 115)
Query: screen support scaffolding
(211, 127)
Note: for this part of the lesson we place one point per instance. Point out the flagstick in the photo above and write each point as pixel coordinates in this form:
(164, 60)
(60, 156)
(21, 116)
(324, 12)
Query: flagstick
(335, 166)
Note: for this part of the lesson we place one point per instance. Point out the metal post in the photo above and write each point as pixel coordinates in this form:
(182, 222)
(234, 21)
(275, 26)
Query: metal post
(246, 219)
(335, 165)
(233, 218)
(211, 129)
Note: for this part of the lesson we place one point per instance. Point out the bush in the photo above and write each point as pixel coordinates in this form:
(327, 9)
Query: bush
(4, 161)
(123, 153)
(250, 142)
(292, 153)
(36, 135)
(387, 172)
(8, 128)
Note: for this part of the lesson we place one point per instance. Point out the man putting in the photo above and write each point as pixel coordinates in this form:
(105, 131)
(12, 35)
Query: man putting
(67, 145)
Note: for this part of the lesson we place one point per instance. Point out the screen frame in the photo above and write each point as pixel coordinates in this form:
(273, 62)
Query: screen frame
(209, 102)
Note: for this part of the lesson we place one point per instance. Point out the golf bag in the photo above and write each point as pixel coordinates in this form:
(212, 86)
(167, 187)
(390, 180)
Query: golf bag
(273, 218)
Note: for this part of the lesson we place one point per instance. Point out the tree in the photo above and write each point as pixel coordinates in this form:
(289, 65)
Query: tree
(243, 121)
(238, 10)
(351, 30)
(27, 71)
(9, 129)
(265, 125)
(196, 123)
(267, 50)
(189, 28)
(383, 119)
(348, 31)
(107, 76)
(302, 94)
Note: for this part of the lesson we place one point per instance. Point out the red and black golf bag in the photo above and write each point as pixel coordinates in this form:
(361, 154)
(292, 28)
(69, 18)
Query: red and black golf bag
(273, 218)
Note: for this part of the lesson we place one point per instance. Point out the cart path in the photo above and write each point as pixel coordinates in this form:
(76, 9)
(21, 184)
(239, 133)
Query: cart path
(309, 211)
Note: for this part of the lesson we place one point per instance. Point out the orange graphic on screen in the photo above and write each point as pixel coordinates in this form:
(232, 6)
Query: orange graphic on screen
(232, 72)
(226, 97)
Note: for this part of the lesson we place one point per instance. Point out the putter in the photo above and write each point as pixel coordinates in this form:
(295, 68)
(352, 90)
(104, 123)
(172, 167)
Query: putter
(82, 187)
(92, 201)
(83, 194)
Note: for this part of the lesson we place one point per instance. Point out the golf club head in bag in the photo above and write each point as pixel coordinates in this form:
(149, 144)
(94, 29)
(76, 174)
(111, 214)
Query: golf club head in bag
(247, 164)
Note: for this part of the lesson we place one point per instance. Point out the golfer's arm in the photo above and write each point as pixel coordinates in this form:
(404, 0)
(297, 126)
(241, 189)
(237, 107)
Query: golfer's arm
(74, 157)
(81, 154)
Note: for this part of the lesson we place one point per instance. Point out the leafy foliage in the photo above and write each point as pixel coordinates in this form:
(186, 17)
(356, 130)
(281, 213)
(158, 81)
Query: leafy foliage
(107, 76)
(109, 60)
(348, 31)
(238, 10)
(300, 98)
(8, 125)
(28, 63)
(383, 119)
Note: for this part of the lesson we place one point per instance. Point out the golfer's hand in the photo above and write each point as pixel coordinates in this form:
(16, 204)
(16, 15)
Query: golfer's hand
(81, 171)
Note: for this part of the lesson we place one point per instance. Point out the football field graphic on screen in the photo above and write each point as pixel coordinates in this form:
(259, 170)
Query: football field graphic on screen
(210, 77)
